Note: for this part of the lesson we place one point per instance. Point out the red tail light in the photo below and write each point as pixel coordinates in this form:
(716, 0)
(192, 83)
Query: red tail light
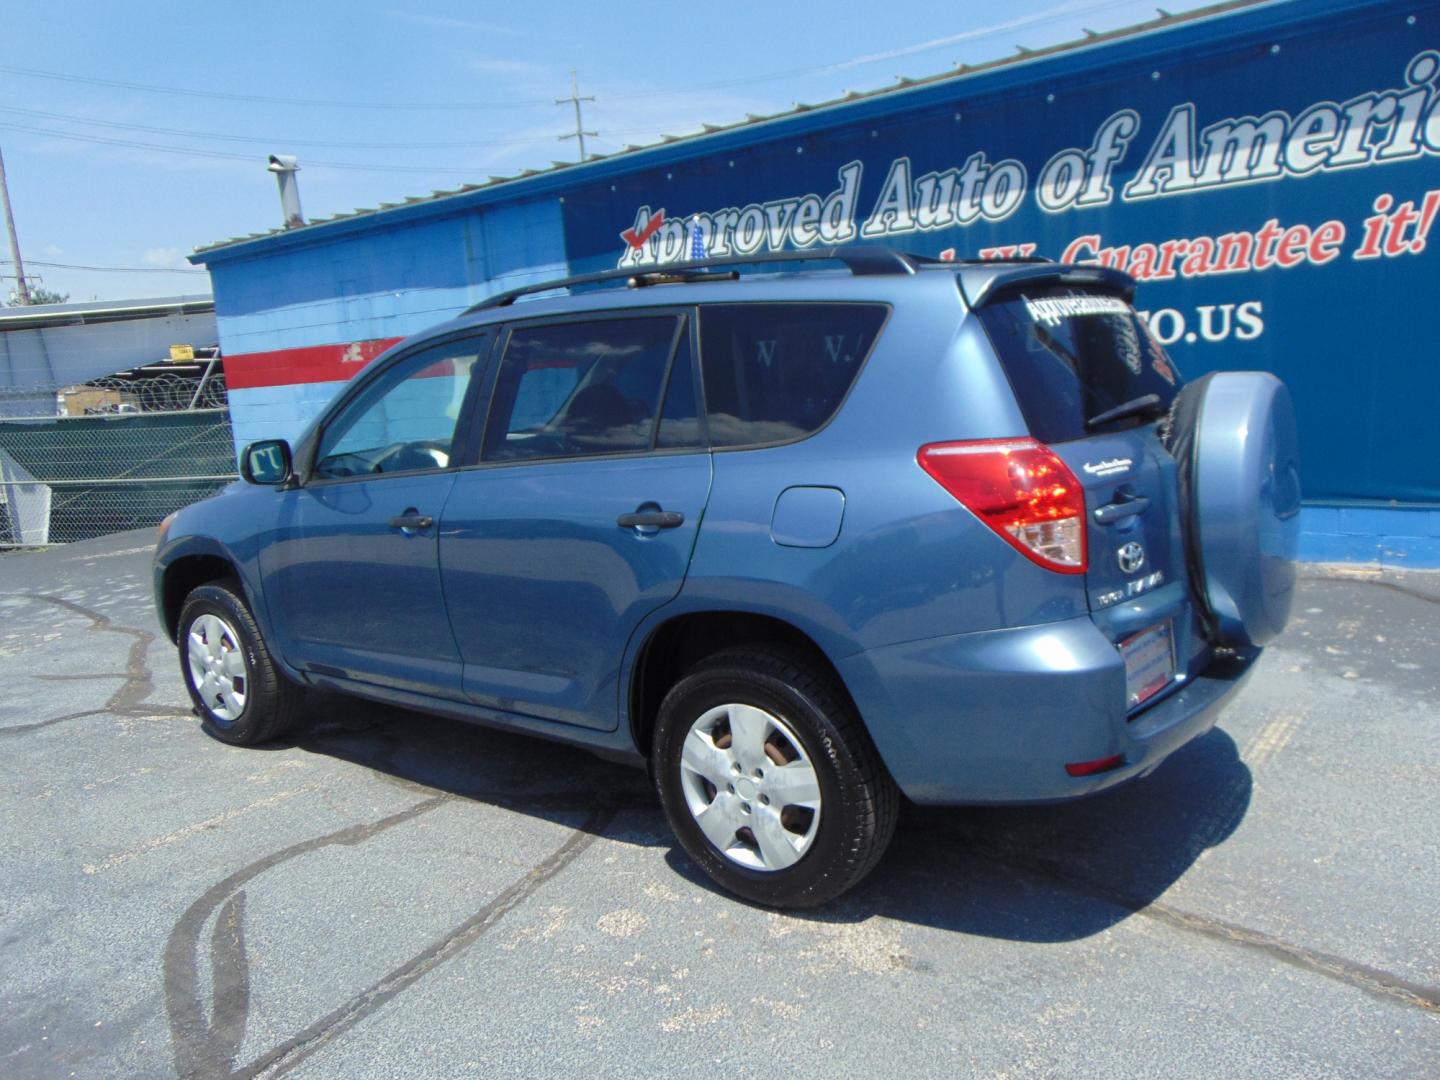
(1022, 490)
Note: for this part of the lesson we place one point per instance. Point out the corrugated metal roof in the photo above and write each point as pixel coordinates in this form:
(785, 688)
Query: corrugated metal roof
(902, 85)
(32, 316)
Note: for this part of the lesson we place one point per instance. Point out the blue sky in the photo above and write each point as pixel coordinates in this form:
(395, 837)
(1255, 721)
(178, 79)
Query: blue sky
(380, 100)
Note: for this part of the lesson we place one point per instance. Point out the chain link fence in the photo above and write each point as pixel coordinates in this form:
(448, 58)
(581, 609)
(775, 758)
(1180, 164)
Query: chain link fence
(116, 453)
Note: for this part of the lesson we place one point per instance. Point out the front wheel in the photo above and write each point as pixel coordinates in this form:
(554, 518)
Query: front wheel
(769, 780)
(241, 696)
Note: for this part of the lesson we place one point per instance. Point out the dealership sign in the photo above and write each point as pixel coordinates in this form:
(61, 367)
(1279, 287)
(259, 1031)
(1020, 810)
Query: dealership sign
(1377, 127)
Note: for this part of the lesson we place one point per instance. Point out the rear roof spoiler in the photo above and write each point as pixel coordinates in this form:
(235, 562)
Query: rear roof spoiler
(981, 284)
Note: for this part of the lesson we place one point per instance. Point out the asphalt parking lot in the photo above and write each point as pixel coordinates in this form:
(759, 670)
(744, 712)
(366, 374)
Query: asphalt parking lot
(397, 895)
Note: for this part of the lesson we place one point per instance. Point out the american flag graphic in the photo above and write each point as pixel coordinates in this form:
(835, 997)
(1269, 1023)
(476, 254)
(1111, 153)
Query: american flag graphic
(697, 240)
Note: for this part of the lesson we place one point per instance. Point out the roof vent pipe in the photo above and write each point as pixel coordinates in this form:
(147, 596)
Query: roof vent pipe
(285, 166)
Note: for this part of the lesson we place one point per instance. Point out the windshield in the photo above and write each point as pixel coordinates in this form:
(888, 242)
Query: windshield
(1073, 355)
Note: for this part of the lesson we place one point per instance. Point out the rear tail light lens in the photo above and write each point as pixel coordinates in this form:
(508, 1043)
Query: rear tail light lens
(1022, 490)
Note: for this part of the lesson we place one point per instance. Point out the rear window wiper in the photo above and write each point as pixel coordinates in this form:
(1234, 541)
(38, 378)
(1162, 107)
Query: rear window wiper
(1148, 404)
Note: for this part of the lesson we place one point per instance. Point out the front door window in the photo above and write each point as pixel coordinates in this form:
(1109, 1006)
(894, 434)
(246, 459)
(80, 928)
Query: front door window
(405, 420)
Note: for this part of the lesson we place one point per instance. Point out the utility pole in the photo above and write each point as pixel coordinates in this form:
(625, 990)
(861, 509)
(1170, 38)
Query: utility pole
(21, 292)
(576, 99)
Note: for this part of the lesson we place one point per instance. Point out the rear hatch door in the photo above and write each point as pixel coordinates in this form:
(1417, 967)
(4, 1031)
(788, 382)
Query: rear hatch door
(1092, 383)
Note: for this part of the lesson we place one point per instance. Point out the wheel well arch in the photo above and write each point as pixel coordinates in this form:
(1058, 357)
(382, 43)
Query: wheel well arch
(683, 641)
(184, 574)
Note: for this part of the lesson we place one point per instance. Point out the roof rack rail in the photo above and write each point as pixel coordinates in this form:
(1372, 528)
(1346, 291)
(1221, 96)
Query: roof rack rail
(977, 261)
(861, 261)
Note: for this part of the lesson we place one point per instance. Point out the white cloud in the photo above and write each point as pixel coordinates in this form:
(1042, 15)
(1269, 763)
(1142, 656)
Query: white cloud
(484, 66)
(54, 251)
(165, 257)
(975, 34)
(442, 22)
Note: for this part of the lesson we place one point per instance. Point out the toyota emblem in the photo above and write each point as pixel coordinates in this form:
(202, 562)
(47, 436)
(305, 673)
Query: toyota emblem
(1131, 557)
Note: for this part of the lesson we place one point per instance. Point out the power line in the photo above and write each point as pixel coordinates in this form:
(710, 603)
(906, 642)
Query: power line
(1068, 8)
(223, 155)
(115, 269)
(1072, 8)
(268, 140)
(227, 156)
(278, 140)
(35, 73)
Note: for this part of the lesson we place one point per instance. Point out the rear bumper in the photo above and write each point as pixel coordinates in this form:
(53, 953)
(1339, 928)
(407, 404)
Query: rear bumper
(996, 717)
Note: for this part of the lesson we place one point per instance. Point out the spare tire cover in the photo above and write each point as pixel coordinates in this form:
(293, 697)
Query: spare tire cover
(1233, 435)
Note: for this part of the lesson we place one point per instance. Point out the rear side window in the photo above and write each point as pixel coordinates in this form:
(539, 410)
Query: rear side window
(777, 372)
(1071, 355)
(579, 388)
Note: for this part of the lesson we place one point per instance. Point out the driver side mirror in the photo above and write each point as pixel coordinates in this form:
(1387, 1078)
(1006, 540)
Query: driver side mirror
(267, 463)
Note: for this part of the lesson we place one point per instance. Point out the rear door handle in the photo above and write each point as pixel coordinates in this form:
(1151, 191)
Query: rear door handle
(412, 520)
(652, 519)
(1119, 511)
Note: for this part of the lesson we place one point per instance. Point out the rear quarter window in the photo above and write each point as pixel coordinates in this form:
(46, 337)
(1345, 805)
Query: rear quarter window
(775, 373)
(1071, 355)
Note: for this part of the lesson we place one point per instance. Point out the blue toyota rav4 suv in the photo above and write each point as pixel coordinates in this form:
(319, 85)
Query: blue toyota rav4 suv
(800, 540)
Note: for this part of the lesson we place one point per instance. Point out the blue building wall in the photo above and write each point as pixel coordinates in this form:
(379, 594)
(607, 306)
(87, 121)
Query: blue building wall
(388, 281)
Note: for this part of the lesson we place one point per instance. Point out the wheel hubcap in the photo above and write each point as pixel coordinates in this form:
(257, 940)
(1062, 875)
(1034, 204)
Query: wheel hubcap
(750, 786)
(217, 667)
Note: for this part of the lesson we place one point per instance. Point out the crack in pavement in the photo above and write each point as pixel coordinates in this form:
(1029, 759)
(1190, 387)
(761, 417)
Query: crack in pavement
(1382, 984)
(222, 818)
(295, 1050)
(126, 701)
(230, 975)
(1393, 586)
(209, 1048)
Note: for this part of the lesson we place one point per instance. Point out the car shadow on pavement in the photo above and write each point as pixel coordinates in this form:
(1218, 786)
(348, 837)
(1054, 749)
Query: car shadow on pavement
(433, 754)
(1030, 873)
(1064, 871)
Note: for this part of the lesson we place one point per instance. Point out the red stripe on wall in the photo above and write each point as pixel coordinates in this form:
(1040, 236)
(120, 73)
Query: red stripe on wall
(291, 367)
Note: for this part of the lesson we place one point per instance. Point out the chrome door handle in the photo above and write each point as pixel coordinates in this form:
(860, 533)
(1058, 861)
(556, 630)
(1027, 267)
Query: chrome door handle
(412, 521)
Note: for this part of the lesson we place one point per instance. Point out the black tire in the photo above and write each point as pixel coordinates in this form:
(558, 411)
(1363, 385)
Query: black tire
(859, 803)
(272, 704)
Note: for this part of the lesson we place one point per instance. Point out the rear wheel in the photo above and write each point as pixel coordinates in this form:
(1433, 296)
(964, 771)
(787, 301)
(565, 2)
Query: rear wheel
(241, 696)
(769, 779)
